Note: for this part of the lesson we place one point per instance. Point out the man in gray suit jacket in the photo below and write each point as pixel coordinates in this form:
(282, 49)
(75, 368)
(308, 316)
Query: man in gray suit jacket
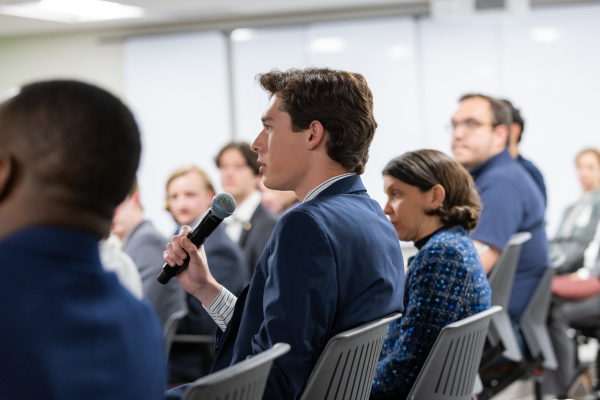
(252, 224)
(145, 245)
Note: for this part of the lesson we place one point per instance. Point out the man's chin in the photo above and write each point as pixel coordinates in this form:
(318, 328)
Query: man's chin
(462, 156)
(272, 184)
(184, 221)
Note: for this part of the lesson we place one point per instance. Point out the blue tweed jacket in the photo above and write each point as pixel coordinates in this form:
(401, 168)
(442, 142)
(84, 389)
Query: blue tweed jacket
(445, 282)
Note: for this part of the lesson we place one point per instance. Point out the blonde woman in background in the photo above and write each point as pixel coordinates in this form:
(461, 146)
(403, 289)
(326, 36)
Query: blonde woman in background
(580, 220)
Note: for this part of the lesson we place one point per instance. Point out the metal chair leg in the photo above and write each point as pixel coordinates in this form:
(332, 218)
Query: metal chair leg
(539, 395)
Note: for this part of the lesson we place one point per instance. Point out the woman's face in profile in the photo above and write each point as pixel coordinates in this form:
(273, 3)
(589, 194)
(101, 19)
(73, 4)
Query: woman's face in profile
(405, 207)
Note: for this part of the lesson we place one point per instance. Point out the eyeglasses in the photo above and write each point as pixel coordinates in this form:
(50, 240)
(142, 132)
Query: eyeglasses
(468, 125)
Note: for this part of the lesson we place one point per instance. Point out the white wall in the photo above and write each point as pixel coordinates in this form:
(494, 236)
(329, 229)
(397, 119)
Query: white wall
(71, 56)
(177, 87)
(555, 83)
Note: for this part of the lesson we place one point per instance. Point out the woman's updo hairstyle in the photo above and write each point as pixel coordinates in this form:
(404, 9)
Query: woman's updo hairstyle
(427, 168)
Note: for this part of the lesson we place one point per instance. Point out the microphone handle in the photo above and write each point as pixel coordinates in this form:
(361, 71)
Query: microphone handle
(198, 236)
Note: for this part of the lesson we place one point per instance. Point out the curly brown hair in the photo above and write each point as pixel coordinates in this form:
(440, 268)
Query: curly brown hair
(341, 101)
(427, 168)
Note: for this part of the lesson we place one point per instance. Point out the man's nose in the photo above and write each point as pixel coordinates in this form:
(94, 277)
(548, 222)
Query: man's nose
(458, 133)
(256, 144)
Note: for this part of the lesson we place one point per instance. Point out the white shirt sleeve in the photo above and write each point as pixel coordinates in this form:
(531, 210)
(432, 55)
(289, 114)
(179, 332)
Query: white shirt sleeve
(115, 260)
(221, 309)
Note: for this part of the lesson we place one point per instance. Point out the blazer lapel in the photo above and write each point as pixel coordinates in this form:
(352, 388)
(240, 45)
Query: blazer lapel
(253, 220)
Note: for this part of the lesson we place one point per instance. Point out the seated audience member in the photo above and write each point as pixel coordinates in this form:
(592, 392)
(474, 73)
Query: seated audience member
(334, 262)
(276, 201)
(511, 200)
(576, 303)
(115, 260)
(252, 224)
(580, 220)
(189, 195)
(69, 329)
(145, 245)
(433, 202)
(515, 136)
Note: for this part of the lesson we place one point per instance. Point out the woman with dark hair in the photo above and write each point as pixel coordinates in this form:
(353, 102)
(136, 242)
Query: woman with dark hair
(433, 202)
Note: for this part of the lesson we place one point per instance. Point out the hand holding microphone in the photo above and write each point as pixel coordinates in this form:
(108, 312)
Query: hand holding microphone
(183, 248)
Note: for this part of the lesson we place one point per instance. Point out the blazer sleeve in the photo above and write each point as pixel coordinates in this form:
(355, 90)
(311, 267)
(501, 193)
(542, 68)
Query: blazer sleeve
(299, 302)
(435, 296)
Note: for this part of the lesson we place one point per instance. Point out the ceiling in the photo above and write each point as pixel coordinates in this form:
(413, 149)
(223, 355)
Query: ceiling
(168, 12)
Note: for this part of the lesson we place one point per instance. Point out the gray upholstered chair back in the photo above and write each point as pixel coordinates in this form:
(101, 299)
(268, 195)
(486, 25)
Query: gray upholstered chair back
(170, 328)
(503, 274)
(347, 365)
(533, 322)
(501, 282)
(243, 381)
(451, 367)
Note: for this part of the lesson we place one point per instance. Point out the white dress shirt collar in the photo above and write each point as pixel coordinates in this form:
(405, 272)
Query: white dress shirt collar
(240, 219)
(245, 211)
(317, 191)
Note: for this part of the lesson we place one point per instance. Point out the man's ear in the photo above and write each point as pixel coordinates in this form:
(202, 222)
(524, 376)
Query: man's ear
(7, 174)
(316, 135)
(136, 198)
(502, 132)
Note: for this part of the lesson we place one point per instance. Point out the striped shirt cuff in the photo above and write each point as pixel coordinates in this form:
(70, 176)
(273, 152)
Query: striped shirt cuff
(221, 309)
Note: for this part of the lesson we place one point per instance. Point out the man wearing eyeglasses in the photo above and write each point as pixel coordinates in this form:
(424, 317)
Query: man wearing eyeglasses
(511, 200)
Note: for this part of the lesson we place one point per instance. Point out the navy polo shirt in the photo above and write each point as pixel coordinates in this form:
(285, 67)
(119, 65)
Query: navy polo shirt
(68, 329)
(512, 202)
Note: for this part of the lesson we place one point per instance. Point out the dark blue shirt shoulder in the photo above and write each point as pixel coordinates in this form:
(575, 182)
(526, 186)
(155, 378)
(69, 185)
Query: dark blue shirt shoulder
(535, 174)
(513, 203)
(69, 330)
(445, 282)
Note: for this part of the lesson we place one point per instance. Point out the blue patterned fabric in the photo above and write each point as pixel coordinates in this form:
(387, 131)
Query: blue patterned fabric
(445, 282)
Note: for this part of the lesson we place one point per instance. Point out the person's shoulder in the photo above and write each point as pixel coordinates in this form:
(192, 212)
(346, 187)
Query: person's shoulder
(303, 214)
(450, 243)
(534, 171)
(504, 172)
(264, 217)
(528, 165)
(146, 233)
(451, 247)
(510, 178)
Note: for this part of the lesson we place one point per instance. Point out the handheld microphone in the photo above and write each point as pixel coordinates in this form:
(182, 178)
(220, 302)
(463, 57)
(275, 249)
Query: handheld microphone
(222, 206)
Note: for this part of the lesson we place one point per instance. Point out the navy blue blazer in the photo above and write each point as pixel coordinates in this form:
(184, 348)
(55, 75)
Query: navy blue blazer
(68, 329)
(332, 264)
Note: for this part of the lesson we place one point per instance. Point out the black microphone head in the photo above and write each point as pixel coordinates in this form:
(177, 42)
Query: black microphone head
(223, 205)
